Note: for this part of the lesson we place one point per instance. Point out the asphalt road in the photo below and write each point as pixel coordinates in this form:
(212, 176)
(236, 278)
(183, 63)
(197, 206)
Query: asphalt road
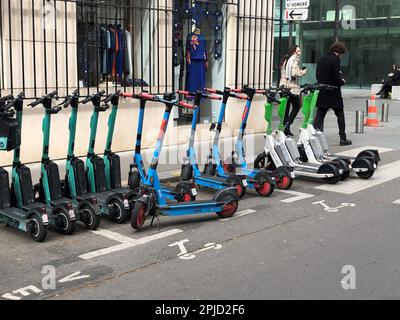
(289, 246)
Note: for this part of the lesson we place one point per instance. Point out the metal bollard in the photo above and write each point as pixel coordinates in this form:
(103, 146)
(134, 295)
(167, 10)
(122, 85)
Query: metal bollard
(360, 121)
(367, 104)
(385, 112)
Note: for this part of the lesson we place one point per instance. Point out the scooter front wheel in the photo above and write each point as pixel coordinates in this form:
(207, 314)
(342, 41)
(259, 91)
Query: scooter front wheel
(264, 188)
(285, 182)
(63, 222)
(366, 175)
(230, 207)
(89, 217)
(139, 216)
(36, 228)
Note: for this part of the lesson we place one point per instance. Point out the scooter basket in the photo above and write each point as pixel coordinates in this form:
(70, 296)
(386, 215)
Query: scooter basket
(10, 134)
(5, 198)
(25, 180)
(99, 173)
(54, 180)
(80, 177)
(115, 170)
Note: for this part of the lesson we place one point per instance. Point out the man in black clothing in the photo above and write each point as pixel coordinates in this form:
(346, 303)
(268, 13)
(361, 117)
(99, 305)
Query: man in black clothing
(328, 72)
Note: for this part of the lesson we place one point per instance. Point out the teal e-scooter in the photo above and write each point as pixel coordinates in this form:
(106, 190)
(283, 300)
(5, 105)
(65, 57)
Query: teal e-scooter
(75, 186)
(113, 204)
(30, 217)
(49, 189)
(112, 161)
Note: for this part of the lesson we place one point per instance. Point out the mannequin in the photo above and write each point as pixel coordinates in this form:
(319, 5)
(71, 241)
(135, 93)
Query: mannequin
(197, 60)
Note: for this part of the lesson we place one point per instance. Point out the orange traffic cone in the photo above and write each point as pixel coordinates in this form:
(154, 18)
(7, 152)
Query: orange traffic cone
(372, 120)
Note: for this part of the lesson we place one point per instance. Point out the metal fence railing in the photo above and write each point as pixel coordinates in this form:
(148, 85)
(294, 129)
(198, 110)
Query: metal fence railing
(113, 45)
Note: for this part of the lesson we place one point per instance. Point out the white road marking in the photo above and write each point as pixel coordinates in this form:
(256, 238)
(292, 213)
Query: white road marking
(127, 245)
(298, 196)
(112, 235)
(185, 255)
(396, 202)
(355, 152)
(239, 215)
(73, 277)
(336, 209)
(385, 173)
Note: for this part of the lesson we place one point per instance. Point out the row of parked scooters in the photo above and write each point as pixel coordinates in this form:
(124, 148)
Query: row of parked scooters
(93, 190)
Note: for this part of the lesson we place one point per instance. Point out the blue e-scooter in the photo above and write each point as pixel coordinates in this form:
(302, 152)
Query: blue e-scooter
(283, 176)
(190, 168)
(183, 192)
(151, 199)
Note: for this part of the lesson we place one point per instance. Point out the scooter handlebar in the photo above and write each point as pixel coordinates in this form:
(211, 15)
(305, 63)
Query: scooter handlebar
(52, 95)
(183, 104)
(147, 96)
(193, 95)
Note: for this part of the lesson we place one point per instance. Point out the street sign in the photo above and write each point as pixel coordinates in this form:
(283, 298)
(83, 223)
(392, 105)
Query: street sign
(297, 4)
(296, 14)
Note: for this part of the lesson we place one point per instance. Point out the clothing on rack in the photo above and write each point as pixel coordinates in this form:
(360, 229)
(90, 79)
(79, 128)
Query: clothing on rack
(115, 49)
(196, 56)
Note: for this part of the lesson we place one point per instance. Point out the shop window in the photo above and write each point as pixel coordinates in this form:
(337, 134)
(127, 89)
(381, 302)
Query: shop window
(199, 52)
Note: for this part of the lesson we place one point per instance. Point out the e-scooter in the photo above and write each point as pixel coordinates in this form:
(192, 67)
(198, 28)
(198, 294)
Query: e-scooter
(31, 218)
(283, 150)
(112, 204)
(190, 168)
(75, 186)
(152, 201)
(49, 189)
(183, 192)
(317, 149)
(283, 175)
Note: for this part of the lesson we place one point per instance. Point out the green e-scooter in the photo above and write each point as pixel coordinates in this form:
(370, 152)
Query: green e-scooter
(49, 190)
(112, 160)
(29, 216)
(114, 204)
(75, 187)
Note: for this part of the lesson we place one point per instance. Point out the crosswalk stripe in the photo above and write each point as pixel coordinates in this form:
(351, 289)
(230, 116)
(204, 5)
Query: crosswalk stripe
(356, 151)
(385, 174)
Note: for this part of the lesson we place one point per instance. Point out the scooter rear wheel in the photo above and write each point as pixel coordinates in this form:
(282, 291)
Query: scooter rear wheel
(138, 217)
(89, 217)
(331, 168)
(64, 223)
(36, 229)
(117, 211)
(240, 189)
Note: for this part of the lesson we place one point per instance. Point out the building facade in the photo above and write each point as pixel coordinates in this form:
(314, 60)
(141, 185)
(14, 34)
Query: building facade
(62, 45)
(370, 28)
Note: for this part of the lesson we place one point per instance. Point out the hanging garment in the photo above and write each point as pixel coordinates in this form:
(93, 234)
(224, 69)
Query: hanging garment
(196, 55)
(128, 55)
(103, 47)
(120, 54)
(111, 50)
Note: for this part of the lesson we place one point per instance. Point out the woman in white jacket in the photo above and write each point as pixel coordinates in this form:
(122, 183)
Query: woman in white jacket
(290, 75)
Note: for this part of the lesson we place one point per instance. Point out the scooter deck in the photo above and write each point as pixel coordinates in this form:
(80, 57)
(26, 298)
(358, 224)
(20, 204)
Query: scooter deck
(15, 213)
(192, 208)
(211, 181)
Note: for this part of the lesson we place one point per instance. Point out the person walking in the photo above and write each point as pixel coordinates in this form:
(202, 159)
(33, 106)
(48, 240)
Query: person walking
(328, 72)
(290, 75)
